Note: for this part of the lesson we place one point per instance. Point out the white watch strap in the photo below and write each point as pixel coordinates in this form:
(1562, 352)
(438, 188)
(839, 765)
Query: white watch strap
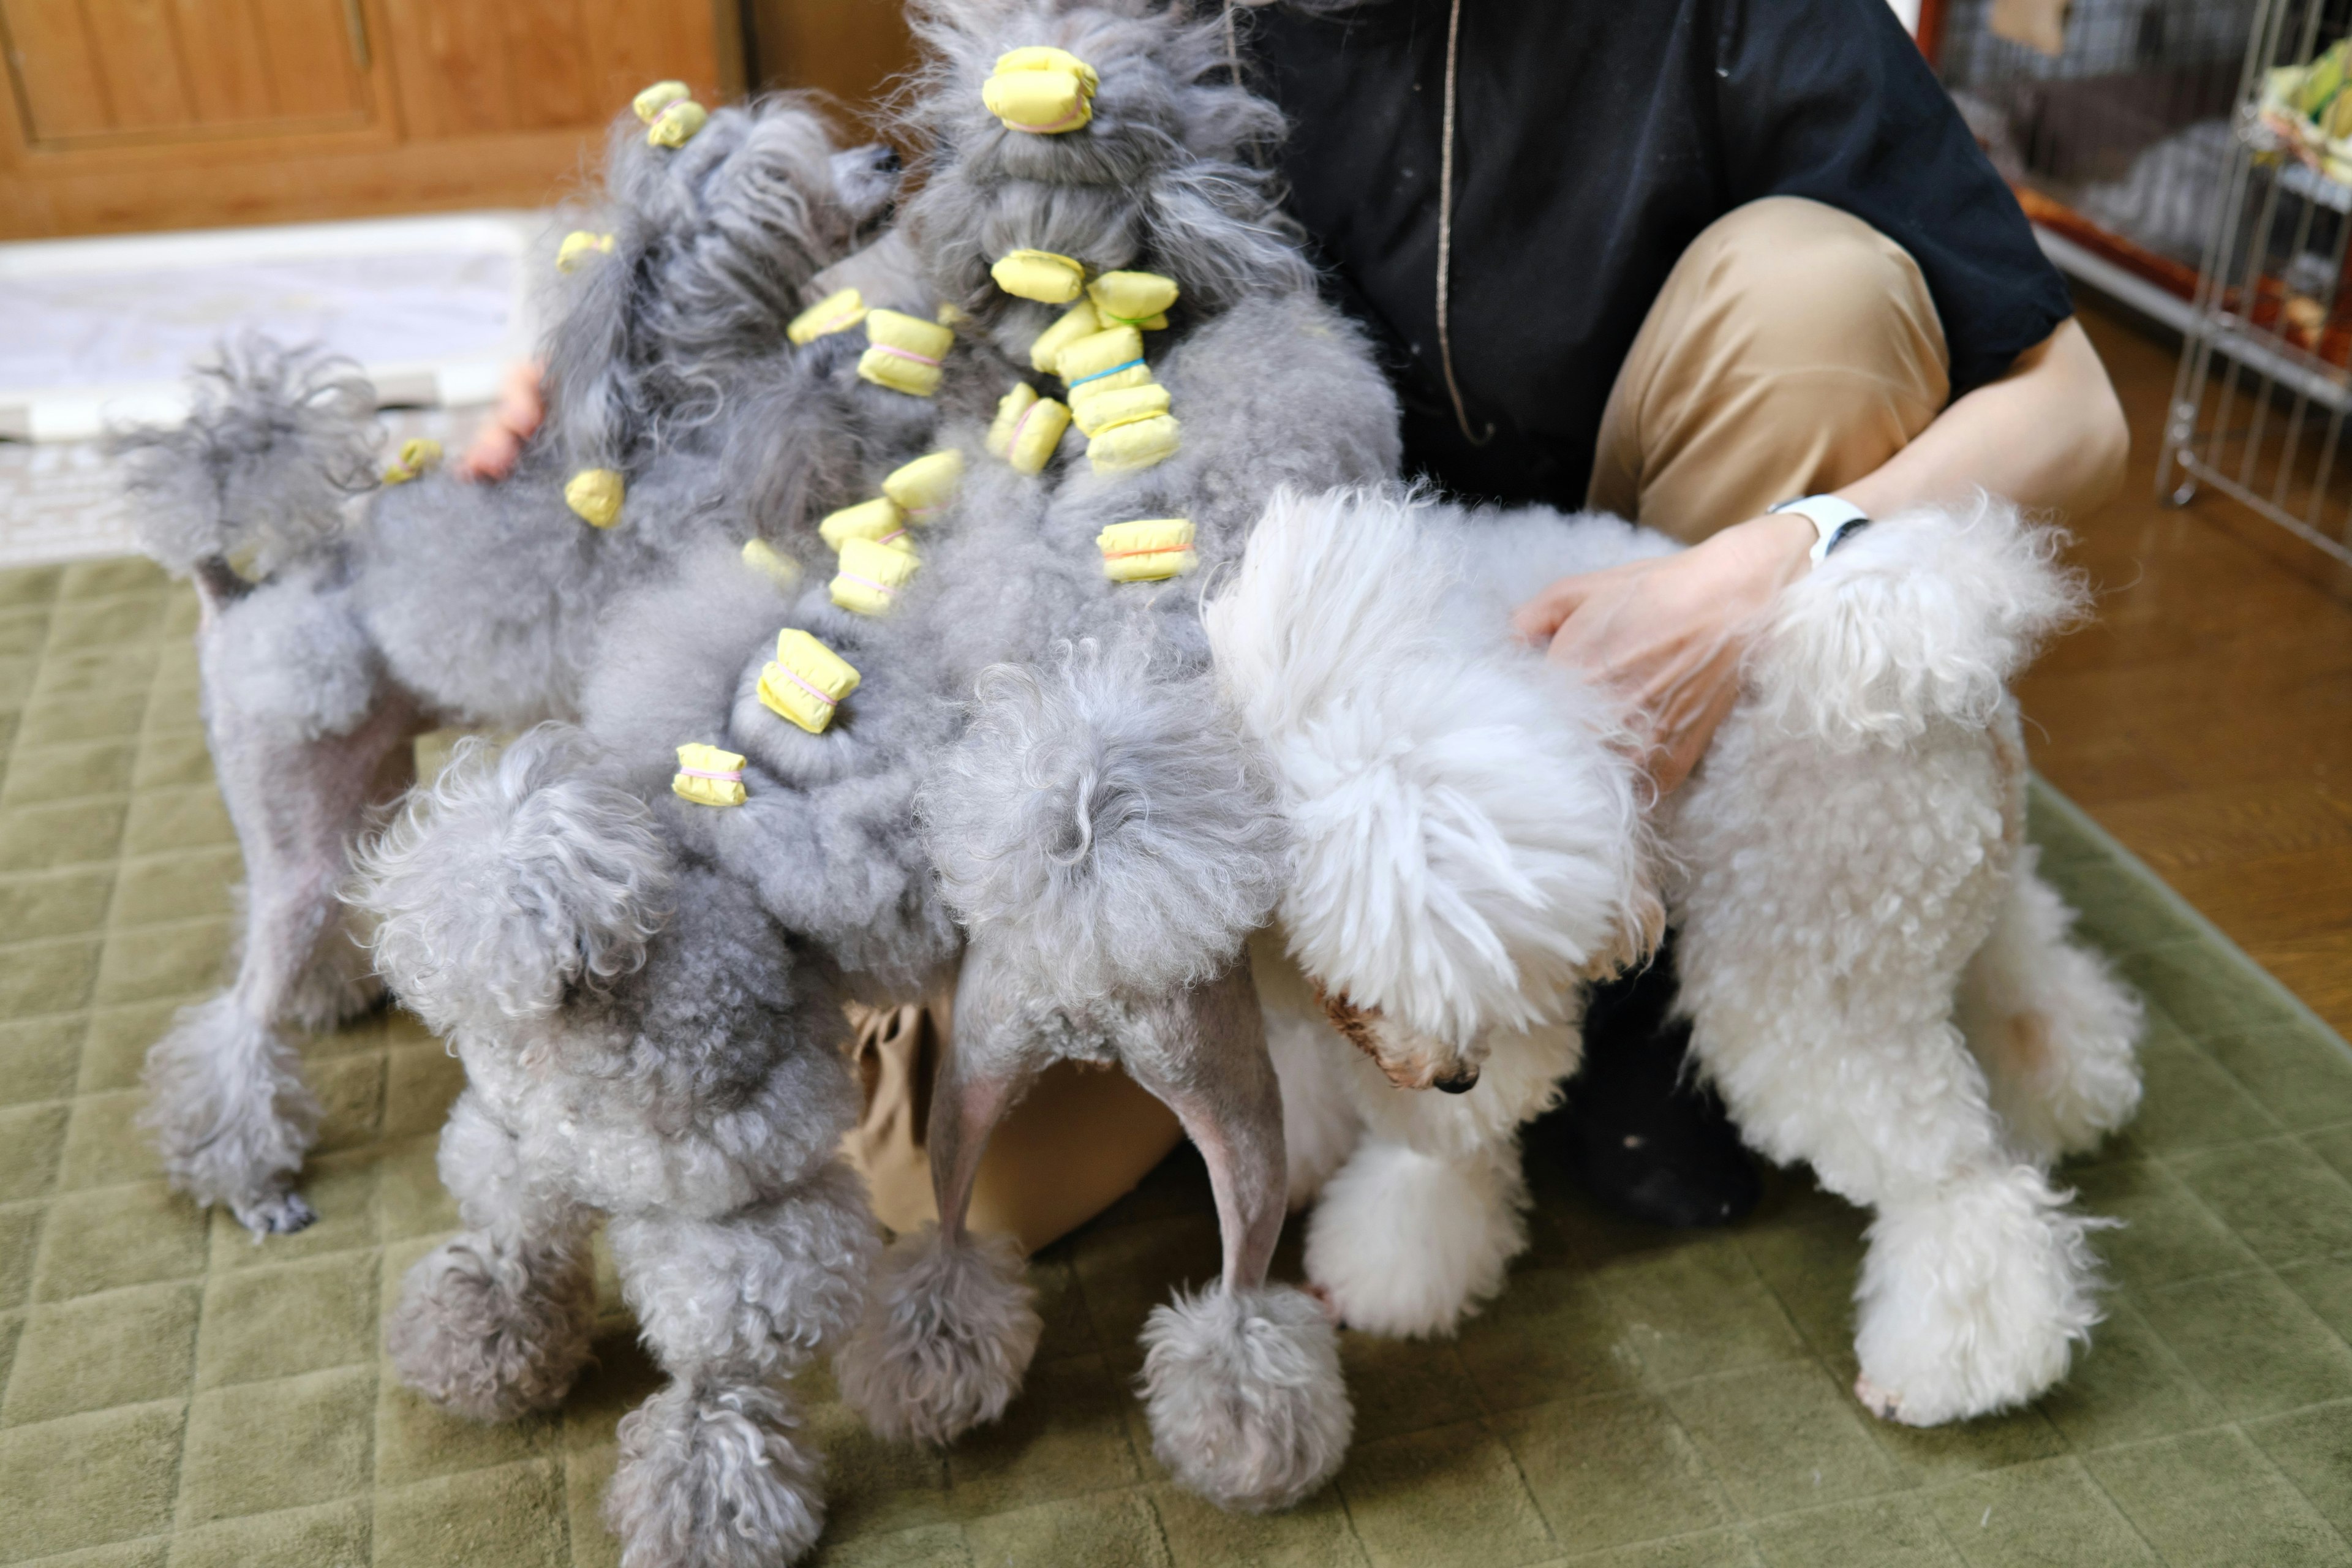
(1835, 519)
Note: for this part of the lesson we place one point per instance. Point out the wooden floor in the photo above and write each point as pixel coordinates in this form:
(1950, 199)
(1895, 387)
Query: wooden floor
(2206, 719)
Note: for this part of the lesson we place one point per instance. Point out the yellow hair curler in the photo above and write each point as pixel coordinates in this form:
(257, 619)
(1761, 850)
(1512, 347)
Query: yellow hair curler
(879, 521)
(836, 312)
(1147, 550)
(773, 564)
(905, 352)
(805, 682)
(871, 576)
(923, 488)
(417, 455)
(1045, 91)
(1039, 275)
(1133, 299)
(580, 245)
(596, 494)
(708, 776)
(1125, 448)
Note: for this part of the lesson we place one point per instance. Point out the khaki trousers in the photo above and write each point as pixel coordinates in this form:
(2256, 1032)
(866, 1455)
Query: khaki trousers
(1793, 350)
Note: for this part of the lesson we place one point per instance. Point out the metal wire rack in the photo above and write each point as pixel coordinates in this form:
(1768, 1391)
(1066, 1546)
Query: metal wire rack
(2258, 402)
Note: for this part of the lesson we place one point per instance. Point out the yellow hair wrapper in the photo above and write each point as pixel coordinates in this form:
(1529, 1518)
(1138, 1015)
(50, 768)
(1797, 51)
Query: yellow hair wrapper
(773, 564)
(1039, 275)
(596, 494)
(836, 312)
(1147, 550)
(904, 352)
(1079, 321)
(1125, 448)
(877, 521)
(1105, 361)
(923, 488)
(1045, 91)
(708, 776)
(670, 113)
(1108, 410)
(1027, 428)
(581, 246)
(1133, 299)
(805, 682)
(415, 455)
(871, 576)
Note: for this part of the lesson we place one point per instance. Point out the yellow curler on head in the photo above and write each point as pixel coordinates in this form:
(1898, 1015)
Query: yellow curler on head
(773, 564)
(1133, 299)
(879, 521)
(580, 246)
(676, 126)
(596, 494)
(1039, 275)
(805, 682)
(1079, 321)
(836, 312)
(649, 103)
(1124, 448)
(1027, 428)
(708, 776)
(1105, 361)
(904, 352)
(415, 455)
(1045, 91)
(924, 487)
(1147, 550)
(871, 576)
(1108, 410)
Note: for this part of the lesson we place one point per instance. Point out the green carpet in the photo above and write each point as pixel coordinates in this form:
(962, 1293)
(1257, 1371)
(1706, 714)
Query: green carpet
(177, 1393)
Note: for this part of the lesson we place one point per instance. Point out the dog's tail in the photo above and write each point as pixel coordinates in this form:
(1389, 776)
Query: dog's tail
(511, 879)
(1922, 618)
(257, 475)
(1469, 841)
(1110, 818)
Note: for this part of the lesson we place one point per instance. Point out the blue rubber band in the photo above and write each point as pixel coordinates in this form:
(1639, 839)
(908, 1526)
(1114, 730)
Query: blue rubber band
(1099, 374)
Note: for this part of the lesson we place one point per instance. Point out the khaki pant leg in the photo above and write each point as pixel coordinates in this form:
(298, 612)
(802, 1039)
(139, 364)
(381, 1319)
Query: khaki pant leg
(1794, 349)
(1076, 1144)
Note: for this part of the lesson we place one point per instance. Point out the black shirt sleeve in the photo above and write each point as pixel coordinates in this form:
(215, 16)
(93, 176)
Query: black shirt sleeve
(1831, 100)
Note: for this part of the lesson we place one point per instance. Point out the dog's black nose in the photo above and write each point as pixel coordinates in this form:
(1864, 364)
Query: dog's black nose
(888, 161)
(1462, 1082)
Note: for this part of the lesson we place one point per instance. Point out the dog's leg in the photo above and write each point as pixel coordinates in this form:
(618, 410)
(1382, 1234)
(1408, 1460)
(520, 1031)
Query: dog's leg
(495, 1322)
(712, 1474)
(1420, 1227)
(951, 1323)
(1242, 1381)
(227, 1104)
(2057, 1035)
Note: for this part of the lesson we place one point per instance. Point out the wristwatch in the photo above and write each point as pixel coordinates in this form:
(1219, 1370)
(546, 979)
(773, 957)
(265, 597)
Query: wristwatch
(1835, 519)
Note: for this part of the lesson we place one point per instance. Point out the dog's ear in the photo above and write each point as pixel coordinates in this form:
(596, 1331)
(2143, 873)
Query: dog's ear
(1211, 228)
(510, 880)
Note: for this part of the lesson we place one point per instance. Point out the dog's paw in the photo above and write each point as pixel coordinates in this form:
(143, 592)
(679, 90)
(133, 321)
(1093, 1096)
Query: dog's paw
(947, 1338)
(491, 1335)
(1407, 1245)
(275, 1213)
(1247, 1404)
(711, 1476)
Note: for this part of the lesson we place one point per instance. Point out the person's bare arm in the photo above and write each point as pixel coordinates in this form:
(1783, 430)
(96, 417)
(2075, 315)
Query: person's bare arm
(522, 404)
(1669, 634)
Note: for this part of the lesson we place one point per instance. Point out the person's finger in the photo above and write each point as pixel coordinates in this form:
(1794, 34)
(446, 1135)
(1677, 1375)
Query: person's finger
(523, 399)
(1539, 619)
(1682, 751)
(493, 453)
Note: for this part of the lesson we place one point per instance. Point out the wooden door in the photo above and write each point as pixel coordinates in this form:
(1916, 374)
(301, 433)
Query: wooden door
(94, 73)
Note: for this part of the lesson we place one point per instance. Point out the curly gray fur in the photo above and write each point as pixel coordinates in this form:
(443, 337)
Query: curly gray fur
(1247, 1402)
(949, 1332)
(1117, 823)
(277, 440)
(491, 1334)
(712, 1478)
(510, 880)
(226, 1103)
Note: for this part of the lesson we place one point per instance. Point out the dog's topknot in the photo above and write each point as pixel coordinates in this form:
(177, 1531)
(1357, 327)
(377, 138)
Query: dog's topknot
(1163, 177)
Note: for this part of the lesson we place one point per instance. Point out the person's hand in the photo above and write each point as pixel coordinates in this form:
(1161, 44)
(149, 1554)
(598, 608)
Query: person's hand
(1669, 634)
(499, 443)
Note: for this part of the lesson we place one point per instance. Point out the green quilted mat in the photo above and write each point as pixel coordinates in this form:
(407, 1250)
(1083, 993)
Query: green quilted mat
(177, 1393)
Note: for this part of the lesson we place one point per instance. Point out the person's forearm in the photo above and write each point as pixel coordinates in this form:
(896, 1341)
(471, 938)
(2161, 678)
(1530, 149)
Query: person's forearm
(2048, 435)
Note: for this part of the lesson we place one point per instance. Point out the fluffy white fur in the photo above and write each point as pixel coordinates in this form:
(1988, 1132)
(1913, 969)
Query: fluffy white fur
(1878, 983)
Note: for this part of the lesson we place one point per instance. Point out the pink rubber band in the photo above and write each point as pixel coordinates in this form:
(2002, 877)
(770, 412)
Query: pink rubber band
(804, 686)
(894, 533)
(887, 592)
(1155, 549)
(705, 773)
(1013, 439)
(904, 353)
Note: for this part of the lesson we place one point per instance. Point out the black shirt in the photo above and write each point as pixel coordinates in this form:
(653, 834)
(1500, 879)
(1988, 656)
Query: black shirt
(1593, 140)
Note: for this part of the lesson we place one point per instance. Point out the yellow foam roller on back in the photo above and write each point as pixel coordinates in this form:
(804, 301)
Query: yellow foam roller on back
(836, 312)
(708, 776)
(806, 680)
(904, 352)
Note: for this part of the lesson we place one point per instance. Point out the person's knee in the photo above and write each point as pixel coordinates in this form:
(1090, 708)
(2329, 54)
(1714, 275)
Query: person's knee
(1807, 286)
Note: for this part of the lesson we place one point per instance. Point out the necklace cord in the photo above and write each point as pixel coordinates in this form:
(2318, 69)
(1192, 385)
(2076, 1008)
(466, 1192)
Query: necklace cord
(1445, 236)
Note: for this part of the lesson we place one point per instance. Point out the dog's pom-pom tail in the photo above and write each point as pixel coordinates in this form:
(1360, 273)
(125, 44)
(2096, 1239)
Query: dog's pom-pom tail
(259, 472)
(230, 1114)
(1469, 839)
(492, 1335)
(1923, 617)
(1247, 1403)
(511, 878)
(947, 1338)
(1973, 1300)
(1115, 822)
(712, 1476)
